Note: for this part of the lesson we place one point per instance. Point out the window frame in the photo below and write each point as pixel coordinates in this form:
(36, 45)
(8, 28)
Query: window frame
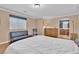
(14, 16)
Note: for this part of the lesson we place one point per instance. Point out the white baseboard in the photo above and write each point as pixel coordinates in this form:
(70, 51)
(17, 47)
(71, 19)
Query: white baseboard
(4, 42)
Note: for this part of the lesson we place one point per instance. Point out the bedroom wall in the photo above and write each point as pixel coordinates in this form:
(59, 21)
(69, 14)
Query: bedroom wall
(77, 25)
(73, 20)
(73, 27)
(54, 23)
(31, 23)
(51, 23)
(34, 23)
(40, 25)
(4, 26)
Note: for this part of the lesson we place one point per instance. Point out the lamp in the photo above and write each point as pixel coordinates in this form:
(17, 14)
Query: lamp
(36, 5)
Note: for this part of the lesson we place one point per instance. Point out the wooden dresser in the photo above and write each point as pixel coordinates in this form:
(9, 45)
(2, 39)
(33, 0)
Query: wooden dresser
(52, 32)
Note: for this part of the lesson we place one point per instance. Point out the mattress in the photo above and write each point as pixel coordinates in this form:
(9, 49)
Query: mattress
(42, 45)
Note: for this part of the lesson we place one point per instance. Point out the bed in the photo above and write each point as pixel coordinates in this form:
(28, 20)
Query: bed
(42, 45)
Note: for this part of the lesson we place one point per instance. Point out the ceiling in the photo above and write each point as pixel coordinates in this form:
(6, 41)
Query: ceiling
(45, 10)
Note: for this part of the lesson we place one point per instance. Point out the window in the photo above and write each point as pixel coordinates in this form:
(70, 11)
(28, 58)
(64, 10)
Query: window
(17, 23)
(64, 24)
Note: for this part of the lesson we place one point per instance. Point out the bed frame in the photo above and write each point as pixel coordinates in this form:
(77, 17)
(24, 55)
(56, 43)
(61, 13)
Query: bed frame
(18, 35)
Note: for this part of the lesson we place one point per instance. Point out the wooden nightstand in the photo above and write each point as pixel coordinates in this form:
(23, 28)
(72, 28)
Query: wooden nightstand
(30, 36)
(73, 36)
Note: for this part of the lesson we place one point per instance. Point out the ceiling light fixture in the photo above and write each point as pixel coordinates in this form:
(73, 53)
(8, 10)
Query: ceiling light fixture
(36, 5)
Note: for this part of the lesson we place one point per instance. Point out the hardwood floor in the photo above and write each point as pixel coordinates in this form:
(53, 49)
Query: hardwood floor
(3, 47)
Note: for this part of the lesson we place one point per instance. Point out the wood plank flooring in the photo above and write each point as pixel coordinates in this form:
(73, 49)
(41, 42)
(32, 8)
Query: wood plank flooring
(3, 47)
